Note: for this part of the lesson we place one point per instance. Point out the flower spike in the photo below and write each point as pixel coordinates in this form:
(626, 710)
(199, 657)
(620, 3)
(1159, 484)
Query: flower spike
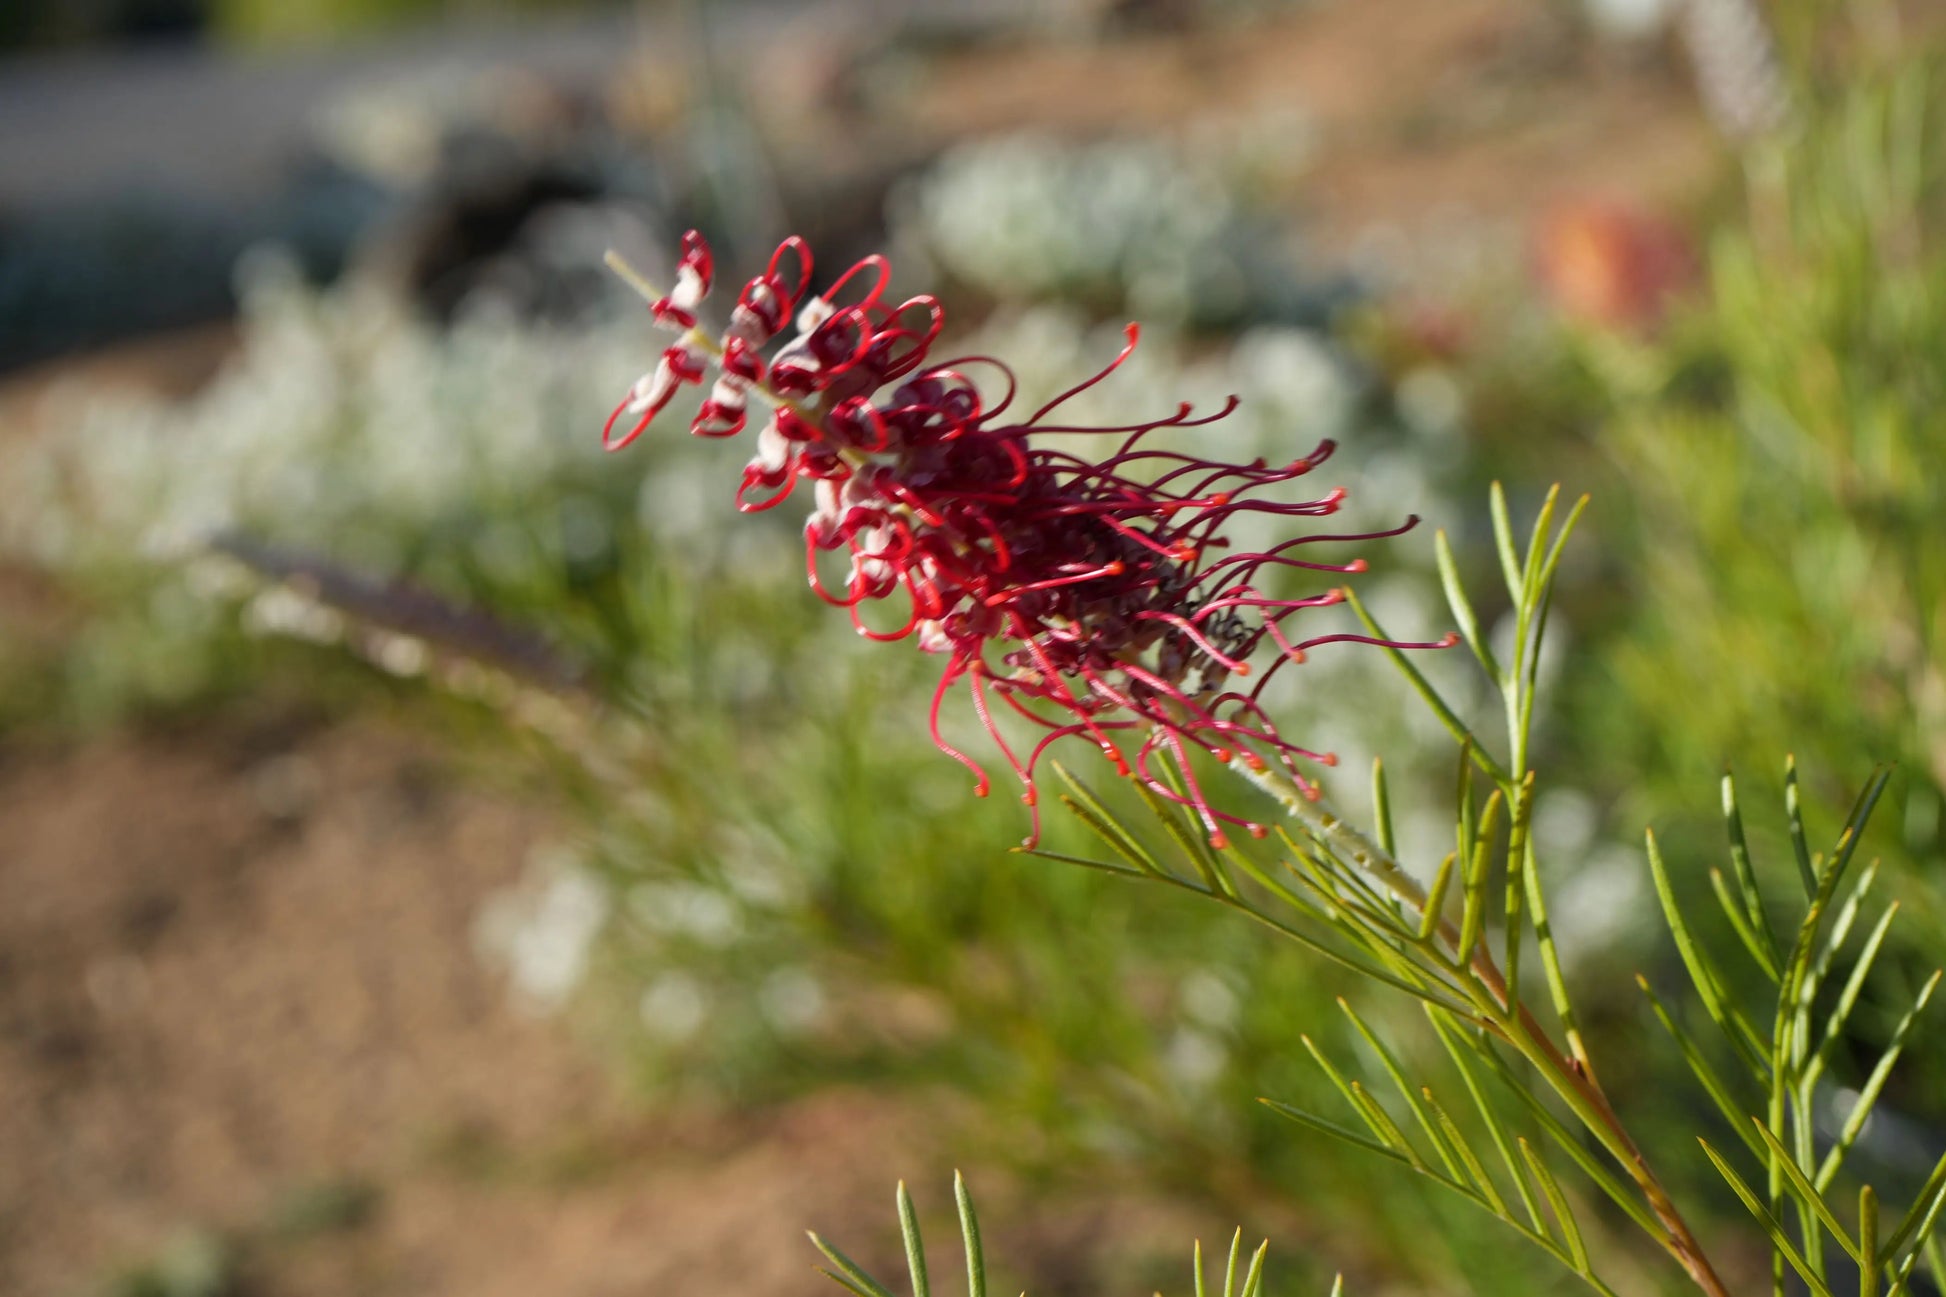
(1090, 597)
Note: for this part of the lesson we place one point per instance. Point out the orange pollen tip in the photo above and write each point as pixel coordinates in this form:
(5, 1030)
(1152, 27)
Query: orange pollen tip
(1297, 655)
(1242, 668)
(1328, 759)
(1257, 831)
(1224, 755)
(1185, 553)
(1220, 499)
(1255, 762)
(1449, 639)
(1356, 565)
(1029, 798)
(981, 790)
(1114, 568)
(1218, 841)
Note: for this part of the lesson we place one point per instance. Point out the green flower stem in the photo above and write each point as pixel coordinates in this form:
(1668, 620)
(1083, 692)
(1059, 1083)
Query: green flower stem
(1570, 1078)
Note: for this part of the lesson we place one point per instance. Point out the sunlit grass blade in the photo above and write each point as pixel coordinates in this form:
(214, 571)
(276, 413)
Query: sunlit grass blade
(969, 1229)
(1705, 1072)
(1869, 1092)
(1779, 1238)
(1230, 1268)
(849, 1273)
(1462, 607)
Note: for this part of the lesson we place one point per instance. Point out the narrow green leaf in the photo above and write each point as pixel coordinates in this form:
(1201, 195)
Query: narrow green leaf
(1804, 1193)
(1779, 1237)
(1089, 809)
(915, 1246)
(1935, 1259)
(1333, 1129)
(1518, 852)
(1569, 1142)
(1457, 1046)
(1868, 1095)
(1447, 716)
(969, 1229)
(1699, 1064)
(1557, 1202)
(1475, 1171)
(844, 1282)
(1536, 549)
(1104, 866)
(1746, 873)
(854, 1278)
(1868, 1271)
(1338, 1286)
(1382, 808)
(1848, 997)
(1389, 1061)
(1473, 911)
(1188, 838)
(1935, 1186)
(1916, 1230)
(1733, 910)
(1735, 1026)
(1230, 1270)
(1503, 541)
(1382, 1124)
(1561, 536)
(1800, 846)
(1469, 621)
(1201, 1291)
(1253, 1280)
(1436, 897)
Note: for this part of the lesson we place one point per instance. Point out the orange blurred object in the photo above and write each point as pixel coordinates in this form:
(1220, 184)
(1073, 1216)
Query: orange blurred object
(1609, 264)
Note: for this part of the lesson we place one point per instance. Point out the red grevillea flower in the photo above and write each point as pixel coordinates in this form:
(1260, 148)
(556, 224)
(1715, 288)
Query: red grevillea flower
(1093, 597)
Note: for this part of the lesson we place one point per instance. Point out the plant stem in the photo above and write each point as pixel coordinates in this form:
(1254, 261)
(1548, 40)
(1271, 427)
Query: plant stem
(1572, 1079)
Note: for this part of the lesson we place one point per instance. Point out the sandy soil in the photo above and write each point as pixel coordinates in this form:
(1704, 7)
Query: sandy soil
(237, 993)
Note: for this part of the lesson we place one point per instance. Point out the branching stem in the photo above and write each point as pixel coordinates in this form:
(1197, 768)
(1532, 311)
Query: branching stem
(1572, 1078)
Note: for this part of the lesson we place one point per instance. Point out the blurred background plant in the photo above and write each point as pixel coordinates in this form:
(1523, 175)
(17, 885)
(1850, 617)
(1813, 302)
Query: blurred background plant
(763, 883)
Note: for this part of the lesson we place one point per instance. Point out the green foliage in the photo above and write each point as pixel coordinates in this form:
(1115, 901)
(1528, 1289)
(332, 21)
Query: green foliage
(1786, 528)
(850, 1276)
